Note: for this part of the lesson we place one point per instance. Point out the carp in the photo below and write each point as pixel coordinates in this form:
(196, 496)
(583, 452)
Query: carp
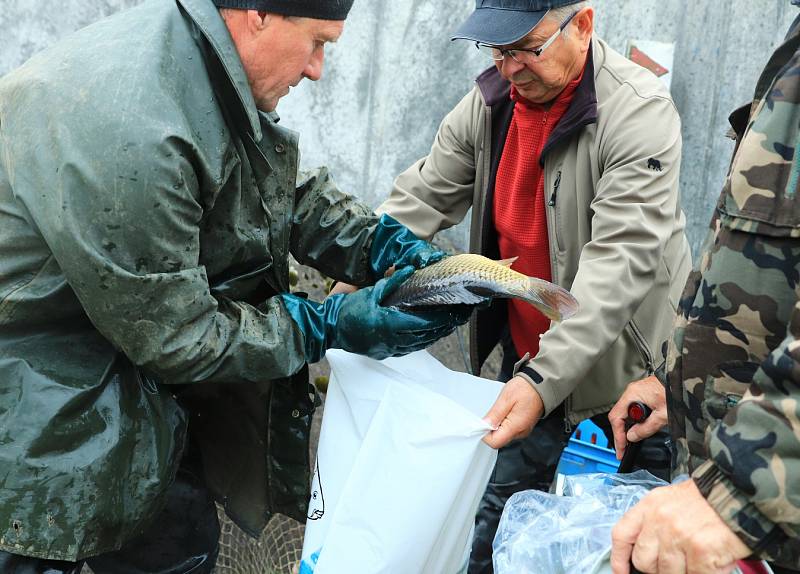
(472, 279)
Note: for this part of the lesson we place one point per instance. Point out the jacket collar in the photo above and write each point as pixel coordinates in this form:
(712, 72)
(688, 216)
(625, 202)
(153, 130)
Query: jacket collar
(779, 59)
(207, 19)
(494, 88)
(582, 110)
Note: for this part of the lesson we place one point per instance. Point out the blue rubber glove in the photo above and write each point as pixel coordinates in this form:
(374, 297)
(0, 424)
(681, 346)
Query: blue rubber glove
(394, 244)
(359, 324)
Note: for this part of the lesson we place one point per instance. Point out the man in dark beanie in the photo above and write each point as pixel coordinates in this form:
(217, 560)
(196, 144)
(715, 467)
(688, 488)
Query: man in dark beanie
(152, 359)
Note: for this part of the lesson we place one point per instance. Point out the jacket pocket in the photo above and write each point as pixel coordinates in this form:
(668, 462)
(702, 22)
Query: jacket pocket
(725, 386)
(761, 192)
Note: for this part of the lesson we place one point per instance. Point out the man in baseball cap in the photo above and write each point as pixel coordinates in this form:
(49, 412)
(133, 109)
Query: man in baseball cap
(568, 154)
(499, 22)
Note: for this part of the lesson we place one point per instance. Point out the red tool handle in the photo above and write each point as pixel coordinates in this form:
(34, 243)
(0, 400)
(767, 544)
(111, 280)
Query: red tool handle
(637, 413)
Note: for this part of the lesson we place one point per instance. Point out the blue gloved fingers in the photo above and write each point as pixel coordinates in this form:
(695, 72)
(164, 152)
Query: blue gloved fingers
(425, 338)
(418, 345)
(422, 341)
(427, 328)
(461, 313)
(418, 324)
(387, 286)
(359, 324)
(450, 317)
(425, 257)
(394, 244)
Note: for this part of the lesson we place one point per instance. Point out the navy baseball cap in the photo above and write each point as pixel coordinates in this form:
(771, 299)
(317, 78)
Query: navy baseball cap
(499, 22)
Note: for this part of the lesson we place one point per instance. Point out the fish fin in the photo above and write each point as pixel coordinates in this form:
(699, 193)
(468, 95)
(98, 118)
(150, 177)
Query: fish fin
(555, 302)
(507, 262)
(434, 299)
(467, 297)
(455, 295)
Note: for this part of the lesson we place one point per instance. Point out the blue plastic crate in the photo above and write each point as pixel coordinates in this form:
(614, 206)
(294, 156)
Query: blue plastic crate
(587, 452)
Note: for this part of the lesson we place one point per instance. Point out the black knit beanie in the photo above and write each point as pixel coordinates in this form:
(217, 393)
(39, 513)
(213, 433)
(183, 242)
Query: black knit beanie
(320, 9)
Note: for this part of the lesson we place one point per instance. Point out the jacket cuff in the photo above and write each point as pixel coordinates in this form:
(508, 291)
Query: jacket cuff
(736, 510)
(546, 392)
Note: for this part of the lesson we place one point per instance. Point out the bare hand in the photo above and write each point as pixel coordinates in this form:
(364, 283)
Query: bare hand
(514, 414)
(649, 391)
(674, 530)
(342, 288)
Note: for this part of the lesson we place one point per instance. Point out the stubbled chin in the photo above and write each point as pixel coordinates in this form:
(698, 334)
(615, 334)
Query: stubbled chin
(535, 97)
(267, 105)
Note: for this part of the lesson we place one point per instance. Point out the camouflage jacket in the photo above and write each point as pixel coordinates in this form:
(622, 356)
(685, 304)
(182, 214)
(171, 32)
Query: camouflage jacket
(734, 361)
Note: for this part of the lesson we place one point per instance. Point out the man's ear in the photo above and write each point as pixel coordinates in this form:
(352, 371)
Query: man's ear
(258, 20)
(584, 23)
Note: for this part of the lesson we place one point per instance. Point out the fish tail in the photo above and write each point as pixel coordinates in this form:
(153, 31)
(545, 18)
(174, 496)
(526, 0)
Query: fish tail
(555, 302)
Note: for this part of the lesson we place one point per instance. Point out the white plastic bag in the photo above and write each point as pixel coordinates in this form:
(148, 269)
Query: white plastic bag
(400, 469)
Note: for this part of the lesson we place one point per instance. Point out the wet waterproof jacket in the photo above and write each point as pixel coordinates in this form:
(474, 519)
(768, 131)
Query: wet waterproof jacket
(615, 225)
(147, 211)
(734, 359)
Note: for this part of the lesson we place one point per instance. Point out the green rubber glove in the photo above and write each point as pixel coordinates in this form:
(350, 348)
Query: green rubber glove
(359, 324)
(393, 244)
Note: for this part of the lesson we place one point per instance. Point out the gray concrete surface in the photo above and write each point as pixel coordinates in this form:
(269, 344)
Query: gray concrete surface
(394, 75)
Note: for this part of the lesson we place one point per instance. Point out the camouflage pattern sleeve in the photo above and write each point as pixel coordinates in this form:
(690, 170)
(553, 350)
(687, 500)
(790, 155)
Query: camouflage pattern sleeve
(752, 479)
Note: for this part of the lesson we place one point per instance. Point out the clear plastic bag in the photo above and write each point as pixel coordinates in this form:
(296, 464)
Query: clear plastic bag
(542, 533)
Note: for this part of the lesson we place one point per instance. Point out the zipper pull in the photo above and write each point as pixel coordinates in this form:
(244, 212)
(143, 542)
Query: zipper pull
(552, 201)
(567, 408)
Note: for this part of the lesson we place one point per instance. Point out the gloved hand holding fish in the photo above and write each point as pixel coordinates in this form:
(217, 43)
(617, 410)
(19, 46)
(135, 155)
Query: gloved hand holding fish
(471, 279)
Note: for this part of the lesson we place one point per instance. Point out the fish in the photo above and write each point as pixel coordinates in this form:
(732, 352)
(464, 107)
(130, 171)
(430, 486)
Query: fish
(472, 279)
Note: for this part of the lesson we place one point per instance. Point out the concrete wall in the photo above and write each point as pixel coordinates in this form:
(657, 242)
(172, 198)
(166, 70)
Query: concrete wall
(394, 75)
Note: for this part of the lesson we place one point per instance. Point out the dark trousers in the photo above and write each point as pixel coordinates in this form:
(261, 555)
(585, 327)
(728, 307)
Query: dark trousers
(183, 539)
(531, 463)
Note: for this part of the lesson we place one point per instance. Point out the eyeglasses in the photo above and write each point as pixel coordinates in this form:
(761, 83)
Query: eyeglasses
(522, 55)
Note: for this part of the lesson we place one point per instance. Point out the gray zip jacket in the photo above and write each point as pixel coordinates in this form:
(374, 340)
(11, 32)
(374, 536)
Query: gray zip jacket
(614, 221)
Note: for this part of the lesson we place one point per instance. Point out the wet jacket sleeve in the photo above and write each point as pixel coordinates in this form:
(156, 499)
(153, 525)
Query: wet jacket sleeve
(436, 192)
(634, 213)
(331, 231)
(751, 479)
(124, 226)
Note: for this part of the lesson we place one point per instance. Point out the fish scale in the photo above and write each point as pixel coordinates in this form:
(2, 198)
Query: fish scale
(471, 279)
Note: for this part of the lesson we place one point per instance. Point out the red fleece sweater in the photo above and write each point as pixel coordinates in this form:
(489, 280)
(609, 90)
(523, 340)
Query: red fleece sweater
(519, 207)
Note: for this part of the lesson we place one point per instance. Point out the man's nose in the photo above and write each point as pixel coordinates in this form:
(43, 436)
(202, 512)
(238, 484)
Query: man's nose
(315, 64)
(509, 66)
